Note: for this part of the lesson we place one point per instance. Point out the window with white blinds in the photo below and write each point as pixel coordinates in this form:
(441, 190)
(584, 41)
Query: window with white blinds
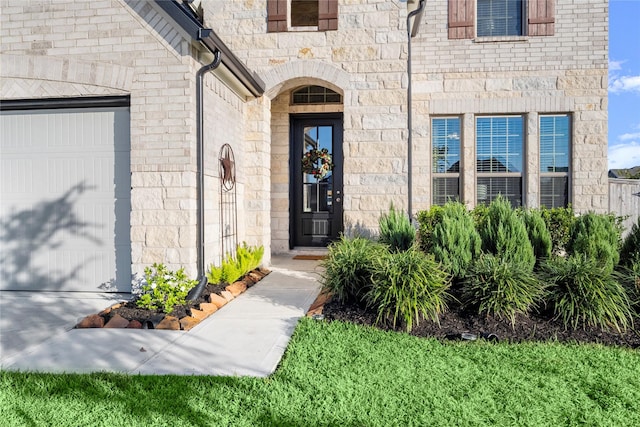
(500, 18)
(555, 136)
(499, 158)
(445, 156)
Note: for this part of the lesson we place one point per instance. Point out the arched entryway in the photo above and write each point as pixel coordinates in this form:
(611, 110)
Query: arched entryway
(307, 160)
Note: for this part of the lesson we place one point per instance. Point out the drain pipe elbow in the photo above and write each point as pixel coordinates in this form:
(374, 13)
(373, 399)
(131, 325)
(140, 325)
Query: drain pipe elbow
(202, 278)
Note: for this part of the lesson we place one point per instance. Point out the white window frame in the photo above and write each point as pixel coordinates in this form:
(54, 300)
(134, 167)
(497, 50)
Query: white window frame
(521, 175)
(441, 175)
(523, 23)
(569, 148)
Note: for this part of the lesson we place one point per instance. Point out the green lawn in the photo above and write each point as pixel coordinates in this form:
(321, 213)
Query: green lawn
(346, 375)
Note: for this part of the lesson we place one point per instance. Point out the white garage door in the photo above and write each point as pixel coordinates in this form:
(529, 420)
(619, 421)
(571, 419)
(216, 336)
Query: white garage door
(65, 200)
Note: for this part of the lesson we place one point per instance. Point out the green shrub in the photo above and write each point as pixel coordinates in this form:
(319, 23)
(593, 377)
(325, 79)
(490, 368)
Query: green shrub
(232, 271)
(246, 259)
(455, 241)
(583, 291)
(427, 221)
(348, 267)
(559, 222)
(214, 275)
(539, 235)
(505, 235)
(480, 215)
(501, 287)
(408, 286)
(597, 237)
(396, 230)
(164, 289)
(630, 251)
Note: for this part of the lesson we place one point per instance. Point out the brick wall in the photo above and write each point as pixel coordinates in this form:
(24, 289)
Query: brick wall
(366, 58)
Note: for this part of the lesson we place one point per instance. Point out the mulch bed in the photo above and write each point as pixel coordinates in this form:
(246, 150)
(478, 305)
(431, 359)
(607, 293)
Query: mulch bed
(183, 317)
(457, 321)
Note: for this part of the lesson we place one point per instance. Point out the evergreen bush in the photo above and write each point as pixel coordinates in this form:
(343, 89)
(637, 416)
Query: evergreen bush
(505, 235)
(455, 241)
(583, 291)
(630, 251)
(539, 235)
(348, 267)
(396, 230)
(407, 287)
(501, 287)
(597, 237)
(559, 222)
(427, 221)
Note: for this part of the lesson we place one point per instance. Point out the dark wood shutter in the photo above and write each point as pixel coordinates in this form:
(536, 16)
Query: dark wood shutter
(276, 16)
(461, 19)
(327, 15)
(541, 17)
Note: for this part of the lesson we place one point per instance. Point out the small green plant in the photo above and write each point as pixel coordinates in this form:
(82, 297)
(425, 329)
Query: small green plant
(597, 237)
(501, 287)
(408, 286)
(539, 235)
(164, 289)
(630, 251)
(583, 291)
(559, 222)
(455, 241)
(396, 230)
(427, 221)
(247, 258)
(505, 235)
(348, 267)
(214, 275)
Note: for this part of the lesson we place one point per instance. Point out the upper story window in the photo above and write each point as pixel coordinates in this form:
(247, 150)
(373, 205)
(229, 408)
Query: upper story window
(304, 13)
(291, 15)
(500, 18)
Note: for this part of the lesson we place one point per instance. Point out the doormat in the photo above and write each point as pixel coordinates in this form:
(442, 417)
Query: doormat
(310, 257)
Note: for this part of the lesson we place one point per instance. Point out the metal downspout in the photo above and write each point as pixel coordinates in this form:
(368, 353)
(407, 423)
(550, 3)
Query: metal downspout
(409, 108)
(202, 278)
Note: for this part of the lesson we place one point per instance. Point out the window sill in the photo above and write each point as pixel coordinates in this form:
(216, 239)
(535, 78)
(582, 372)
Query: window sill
(303, 29)
(500, 39)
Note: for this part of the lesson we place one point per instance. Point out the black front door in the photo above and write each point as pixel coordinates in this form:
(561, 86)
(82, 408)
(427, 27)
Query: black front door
(316, 179)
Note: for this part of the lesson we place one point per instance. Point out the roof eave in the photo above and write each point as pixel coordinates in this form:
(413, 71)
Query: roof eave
(212, 42)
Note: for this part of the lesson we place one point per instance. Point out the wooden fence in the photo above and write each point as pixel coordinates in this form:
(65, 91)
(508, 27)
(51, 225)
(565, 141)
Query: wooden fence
(624, 199)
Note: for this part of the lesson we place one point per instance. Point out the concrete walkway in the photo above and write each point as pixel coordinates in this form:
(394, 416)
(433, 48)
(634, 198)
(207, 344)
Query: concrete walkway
(247, 337)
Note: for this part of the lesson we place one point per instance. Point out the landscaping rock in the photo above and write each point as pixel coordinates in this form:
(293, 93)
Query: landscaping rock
(169, 323)
(117, 321)
(197, 314)
(134, 324)
(91, 321)
(227, 295)
(217, 300)
(208, 308)
(236, 288)
(188, 323)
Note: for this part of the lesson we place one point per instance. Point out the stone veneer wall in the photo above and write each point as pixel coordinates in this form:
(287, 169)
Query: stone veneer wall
(118, 47)
(366, 59)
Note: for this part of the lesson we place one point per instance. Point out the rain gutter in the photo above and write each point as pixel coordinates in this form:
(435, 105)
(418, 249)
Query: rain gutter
(412, 30)
(186, 19)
